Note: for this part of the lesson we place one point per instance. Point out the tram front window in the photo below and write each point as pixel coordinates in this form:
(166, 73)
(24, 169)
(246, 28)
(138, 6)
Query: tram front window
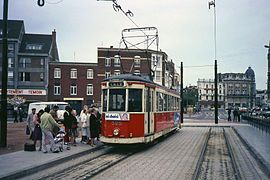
(134, 100)
(117, 99)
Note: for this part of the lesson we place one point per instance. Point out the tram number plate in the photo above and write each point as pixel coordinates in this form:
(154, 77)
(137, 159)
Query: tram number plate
(116, 123)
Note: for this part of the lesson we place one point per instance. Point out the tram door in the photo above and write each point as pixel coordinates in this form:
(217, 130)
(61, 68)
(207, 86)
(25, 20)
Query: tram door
(148, 106)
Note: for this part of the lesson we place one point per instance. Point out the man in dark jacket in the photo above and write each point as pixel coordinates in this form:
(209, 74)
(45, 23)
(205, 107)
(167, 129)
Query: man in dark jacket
(68, 125)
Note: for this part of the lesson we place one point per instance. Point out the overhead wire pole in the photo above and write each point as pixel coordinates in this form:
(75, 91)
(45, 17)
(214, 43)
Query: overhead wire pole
(213, 3)
(3, 116)
(181, 93)
(3, 107)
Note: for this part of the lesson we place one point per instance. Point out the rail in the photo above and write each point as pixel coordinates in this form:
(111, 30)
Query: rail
(258, 122)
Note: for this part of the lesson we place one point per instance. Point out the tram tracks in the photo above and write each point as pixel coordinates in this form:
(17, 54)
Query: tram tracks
(224, 156)
(85, 166)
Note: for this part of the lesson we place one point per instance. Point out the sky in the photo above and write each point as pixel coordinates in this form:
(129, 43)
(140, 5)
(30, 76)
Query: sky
(185, 29)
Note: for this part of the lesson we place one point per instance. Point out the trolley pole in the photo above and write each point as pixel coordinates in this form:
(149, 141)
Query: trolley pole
(3, 115)
(181, 94)
(216, 94)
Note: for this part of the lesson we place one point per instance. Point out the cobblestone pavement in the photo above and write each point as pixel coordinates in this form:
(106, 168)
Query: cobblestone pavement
(16, 138)
(174, 158)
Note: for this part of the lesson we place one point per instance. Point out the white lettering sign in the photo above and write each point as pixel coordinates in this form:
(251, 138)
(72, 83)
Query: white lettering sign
(37, 92)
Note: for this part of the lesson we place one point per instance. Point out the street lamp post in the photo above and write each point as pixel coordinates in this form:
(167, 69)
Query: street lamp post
(268, 72)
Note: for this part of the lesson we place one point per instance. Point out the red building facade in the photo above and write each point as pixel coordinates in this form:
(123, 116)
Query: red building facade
(74, 83)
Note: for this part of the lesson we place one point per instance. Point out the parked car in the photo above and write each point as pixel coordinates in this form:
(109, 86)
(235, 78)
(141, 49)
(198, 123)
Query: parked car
(265, 113)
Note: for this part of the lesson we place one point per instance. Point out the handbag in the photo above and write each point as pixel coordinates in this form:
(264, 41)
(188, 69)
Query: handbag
(27, 131)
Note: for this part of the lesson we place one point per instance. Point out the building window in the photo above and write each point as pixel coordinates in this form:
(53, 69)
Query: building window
(41, 77)
(42, 62)
(158, 75)
(90, 73)
(73, 73)
(137, 72)
(57, 90)
(89, 89)
(107, 62)
(10, 62)
(107, 74)
(156, 60)
(117, 72)
(137, 61)
(34, 47)
(57, 73)
(24, 76)
(73, 90)
(116, 60)
(10, 76)
(25, 62)
(10, 47)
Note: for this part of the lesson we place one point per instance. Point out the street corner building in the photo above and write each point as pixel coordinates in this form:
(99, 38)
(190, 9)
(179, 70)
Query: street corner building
(28, 58)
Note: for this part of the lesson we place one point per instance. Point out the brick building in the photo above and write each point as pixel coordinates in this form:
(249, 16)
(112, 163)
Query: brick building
(75, 83)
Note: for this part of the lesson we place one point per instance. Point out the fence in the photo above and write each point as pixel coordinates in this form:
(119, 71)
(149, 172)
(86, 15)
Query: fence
(258, 122)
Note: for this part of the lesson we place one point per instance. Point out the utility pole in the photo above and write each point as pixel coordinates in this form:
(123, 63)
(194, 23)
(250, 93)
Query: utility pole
(268, 72)
(216, 94)
(181, 94)
(3, 134)
(213, 3)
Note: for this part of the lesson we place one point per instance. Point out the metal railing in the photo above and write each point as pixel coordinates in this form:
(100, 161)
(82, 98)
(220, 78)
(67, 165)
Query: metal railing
(258, 122)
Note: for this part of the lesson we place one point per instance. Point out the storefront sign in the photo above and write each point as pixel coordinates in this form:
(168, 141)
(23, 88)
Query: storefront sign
(36, 92)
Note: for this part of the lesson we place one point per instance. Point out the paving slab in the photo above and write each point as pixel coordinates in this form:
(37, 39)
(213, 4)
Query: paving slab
(24, 162)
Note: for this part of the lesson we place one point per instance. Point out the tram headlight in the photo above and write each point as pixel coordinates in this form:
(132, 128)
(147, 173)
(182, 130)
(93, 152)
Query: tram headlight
(115, 132)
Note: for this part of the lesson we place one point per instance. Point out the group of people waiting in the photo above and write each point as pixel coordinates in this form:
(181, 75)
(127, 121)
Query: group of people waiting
(236, 115)
(44, 126)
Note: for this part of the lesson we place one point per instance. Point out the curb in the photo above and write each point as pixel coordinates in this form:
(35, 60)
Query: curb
(34, 169)
(262, 162)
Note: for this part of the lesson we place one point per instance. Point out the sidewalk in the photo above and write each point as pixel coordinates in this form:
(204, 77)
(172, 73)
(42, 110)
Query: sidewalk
(17, 164)
(16, 137)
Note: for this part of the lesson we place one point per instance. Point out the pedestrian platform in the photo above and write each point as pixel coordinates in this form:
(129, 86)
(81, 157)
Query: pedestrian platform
(20, 163)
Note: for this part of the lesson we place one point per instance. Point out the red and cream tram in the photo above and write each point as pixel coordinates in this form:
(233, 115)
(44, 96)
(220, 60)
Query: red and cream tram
(136, 110)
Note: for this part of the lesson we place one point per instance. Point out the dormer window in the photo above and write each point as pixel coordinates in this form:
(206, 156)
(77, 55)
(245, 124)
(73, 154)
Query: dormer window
(34, 46)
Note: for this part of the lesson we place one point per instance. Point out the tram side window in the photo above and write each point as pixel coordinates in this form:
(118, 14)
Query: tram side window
(117, 99)
(165, 102)
(134, 100)
(105, 98)
(160, 101)
(177, 103)
(169, 103)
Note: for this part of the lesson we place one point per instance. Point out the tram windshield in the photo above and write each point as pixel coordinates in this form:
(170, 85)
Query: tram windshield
(117, 99)
(134, 100)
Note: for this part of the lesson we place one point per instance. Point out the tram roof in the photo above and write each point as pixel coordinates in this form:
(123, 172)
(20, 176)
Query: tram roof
(130, 77)
(135, 77)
